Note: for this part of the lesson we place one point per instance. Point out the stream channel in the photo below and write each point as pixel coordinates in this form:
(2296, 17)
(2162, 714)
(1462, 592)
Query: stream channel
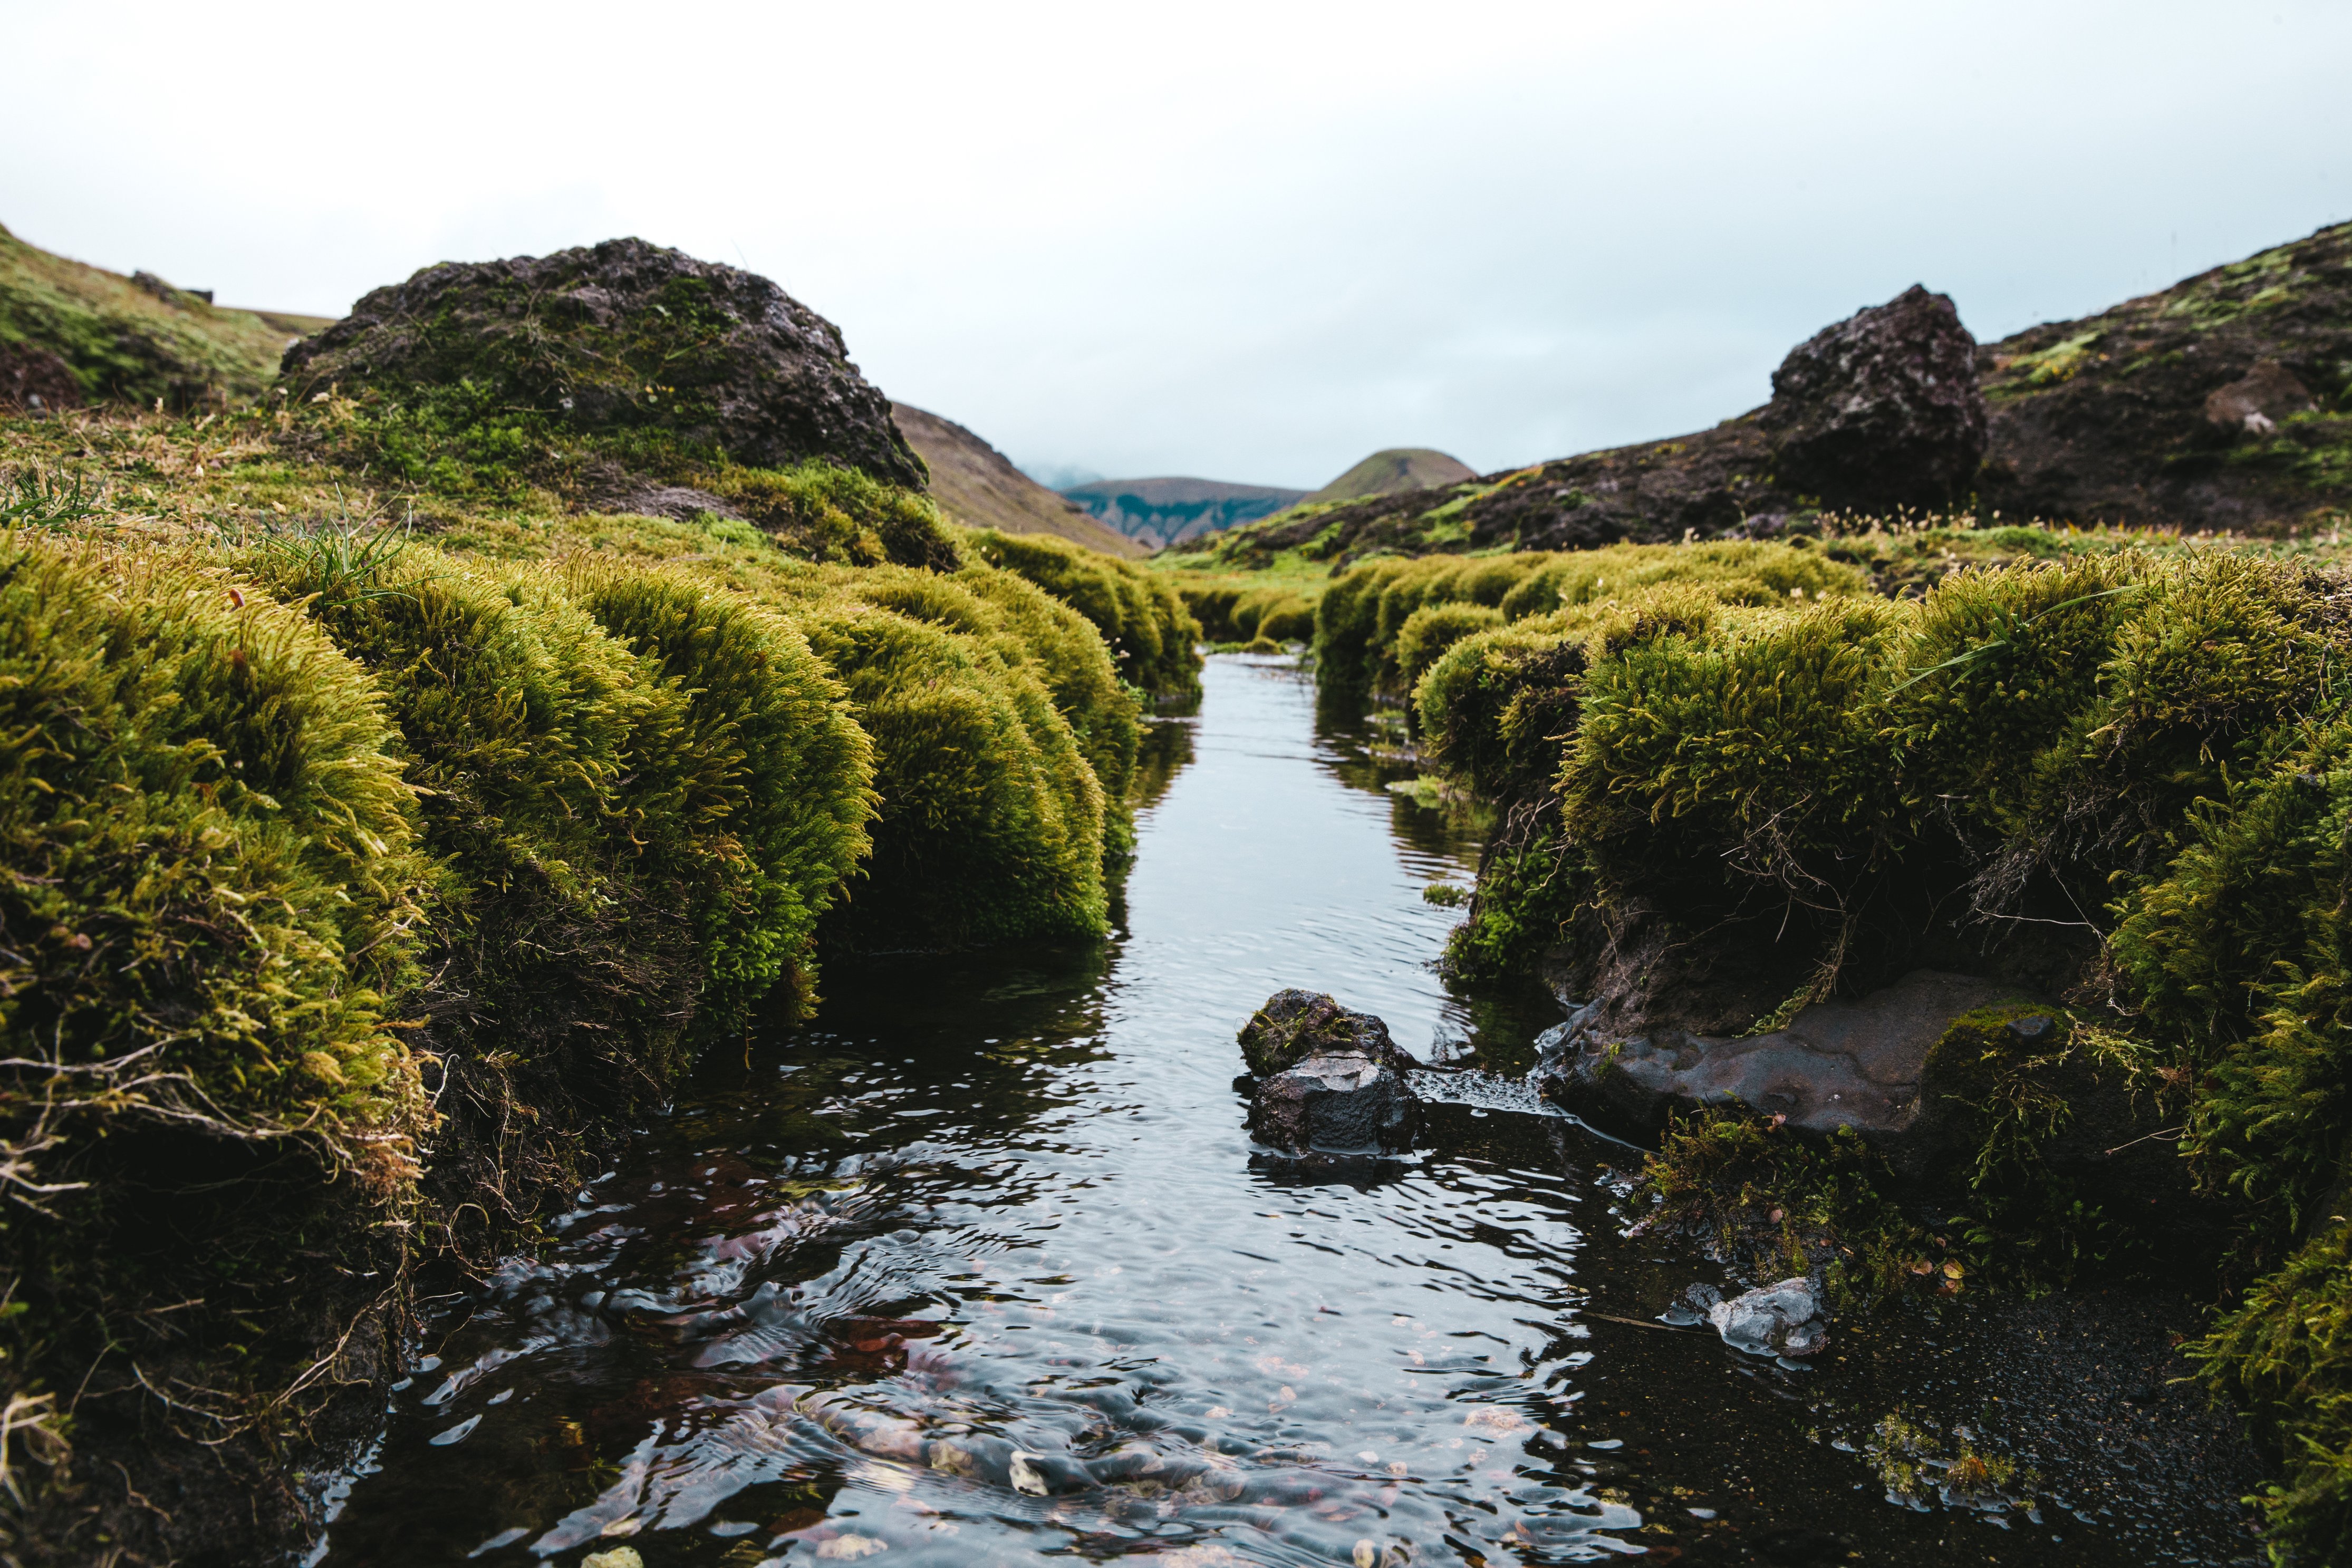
(981, 1267)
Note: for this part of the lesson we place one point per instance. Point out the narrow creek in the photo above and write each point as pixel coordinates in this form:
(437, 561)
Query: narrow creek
(981, 1268)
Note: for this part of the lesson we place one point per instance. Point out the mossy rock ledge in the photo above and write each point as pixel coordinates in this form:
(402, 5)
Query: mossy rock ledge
(1944, 1075)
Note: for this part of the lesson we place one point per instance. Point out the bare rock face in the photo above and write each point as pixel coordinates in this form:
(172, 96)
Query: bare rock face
(1327, 1080)
(1882, 409)
(621, 335)
(1339, 1104)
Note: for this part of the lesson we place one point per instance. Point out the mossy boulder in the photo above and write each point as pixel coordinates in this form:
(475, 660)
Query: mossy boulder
(1295, 1025)
(621, 336)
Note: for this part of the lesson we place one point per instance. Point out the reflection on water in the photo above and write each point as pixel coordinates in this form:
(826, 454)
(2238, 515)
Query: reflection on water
(981, 1268)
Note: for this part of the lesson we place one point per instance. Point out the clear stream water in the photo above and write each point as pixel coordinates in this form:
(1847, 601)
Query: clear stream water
(981, 1268)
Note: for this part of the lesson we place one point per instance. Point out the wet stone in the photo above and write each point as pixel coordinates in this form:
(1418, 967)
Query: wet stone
(1782, 1320)
(1325, 1079)
(1346, 1104)
(1337, 1105)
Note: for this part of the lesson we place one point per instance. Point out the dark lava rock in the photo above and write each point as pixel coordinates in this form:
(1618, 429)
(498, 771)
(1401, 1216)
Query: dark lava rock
(1295, 1025)
(1838, 1064)
(1881, 410)
(1328, 1080)
(1342, 1104)
(623, 335)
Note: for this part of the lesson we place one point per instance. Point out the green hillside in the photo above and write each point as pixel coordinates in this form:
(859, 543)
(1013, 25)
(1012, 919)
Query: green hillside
(137, 337)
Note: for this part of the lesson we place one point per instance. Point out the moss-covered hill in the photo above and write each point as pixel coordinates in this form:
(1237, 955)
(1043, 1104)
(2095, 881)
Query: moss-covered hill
(136, 339)
(2137, 417)
(389, 817)
(1392, 470)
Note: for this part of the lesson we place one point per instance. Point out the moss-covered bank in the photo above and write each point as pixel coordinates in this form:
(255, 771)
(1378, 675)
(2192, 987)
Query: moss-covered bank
(378, 858)
(1736, 779)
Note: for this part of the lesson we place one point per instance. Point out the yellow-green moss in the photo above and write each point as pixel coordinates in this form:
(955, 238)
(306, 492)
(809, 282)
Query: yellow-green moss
(212, 884)
(1142, 618)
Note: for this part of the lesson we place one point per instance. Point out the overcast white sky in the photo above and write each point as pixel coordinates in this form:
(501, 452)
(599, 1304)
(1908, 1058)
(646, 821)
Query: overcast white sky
(1251, 241)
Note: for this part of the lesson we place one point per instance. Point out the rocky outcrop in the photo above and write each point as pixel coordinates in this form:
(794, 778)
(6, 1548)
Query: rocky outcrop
(1879, 410)
(621, 335)
(2224, 402)
(1326, 1079)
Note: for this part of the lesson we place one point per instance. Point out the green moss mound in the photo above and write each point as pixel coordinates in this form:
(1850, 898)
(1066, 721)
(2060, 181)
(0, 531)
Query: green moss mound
(991, 824)
(2285, 1357)
(1004, 742)
(1142, 621)
(774, 813)
(822, 511)
(556, 770)
(2142, 752)
(213, 886)
(1273, 613)
(1361, 616)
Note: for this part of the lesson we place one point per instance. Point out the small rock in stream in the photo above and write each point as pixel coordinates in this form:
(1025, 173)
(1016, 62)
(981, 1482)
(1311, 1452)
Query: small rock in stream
(1327, 1079)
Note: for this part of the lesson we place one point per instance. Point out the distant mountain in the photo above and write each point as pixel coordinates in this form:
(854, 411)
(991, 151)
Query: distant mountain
(1393, 471)
(1156, 512)
(978, 485)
